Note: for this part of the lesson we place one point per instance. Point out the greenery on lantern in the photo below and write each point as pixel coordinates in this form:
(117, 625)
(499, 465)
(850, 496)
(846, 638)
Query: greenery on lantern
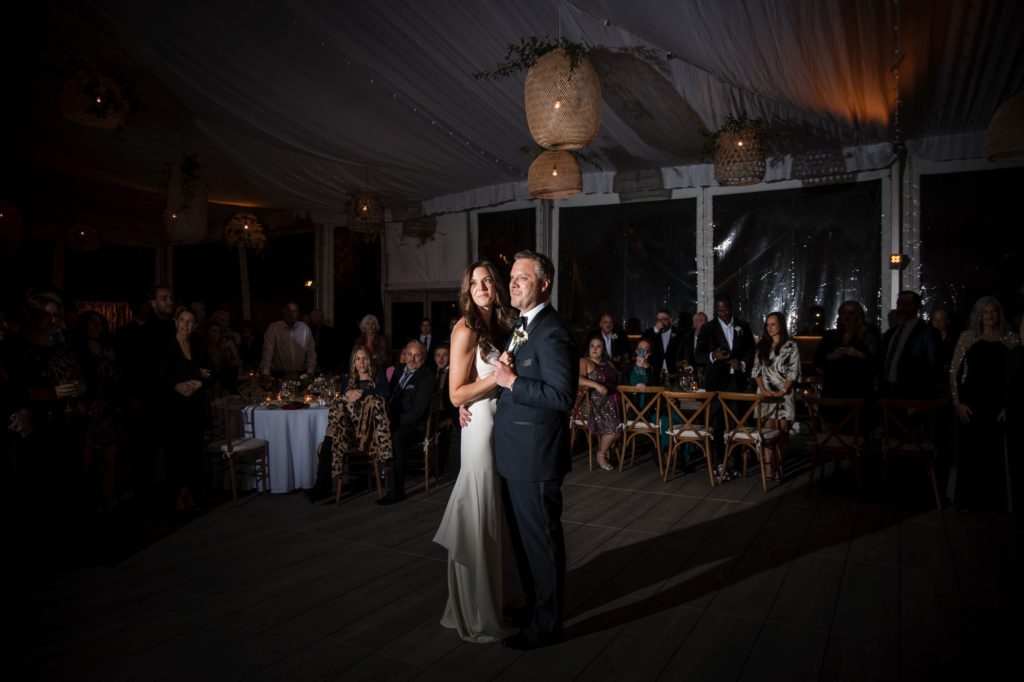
(733, 124)
(522, 56)
(536, 150)
(191, 182)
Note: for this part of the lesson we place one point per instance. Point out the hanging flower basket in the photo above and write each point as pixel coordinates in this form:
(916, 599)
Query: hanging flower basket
(555, 175)
(422, 228)
(563, 101)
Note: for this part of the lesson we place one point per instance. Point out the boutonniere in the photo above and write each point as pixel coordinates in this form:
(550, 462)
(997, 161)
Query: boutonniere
(672, 335)
(737, 330)
(614, 336)
(519, 337)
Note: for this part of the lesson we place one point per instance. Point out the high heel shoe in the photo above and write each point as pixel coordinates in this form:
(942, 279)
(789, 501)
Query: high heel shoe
(606, 466)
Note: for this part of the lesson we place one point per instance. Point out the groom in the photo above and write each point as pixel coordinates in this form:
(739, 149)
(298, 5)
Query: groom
(539, 376)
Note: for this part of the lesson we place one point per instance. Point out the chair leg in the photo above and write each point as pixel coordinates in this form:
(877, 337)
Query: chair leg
(763, 467)
(376, 477)
(669, 460)
(706, 451)
(935, 485)
(337, 491)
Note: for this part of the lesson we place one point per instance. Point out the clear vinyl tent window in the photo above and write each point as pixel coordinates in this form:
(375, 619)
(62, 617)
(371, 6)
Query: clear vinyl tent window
(629, 260)
(788, 250)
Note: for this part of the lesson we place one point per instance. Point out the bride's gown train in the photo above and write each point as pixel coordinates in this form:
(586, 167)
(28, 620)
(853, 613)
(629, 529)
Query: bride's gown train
(473, 532)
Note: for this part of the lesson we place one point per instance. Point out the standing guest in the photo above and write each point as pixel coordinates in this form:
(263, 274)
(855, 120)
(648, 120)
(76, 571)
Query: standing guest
(103, 428)
(1015, 415)
(223, 318)
(942, 323)
(600, 377)
(250, 347)
(976, 381)
(288, 346)
(409, 408)
(374, 341)
(616, 343)
(428, 339)
(910, 349)
(199, 310)
(328, 347)
(726, 349)
(847, 355)
(665, 341)
(776, 371)
(688, 347)
(185, 370)
(224, 359)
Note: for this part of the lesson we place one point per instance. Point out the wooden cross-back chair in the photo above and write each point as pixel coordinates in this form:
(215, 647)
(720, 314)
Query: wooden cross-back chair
(688, 416)
(908, 432)
(746, 431)
(578, 424)
(640, 422)
(835, 434)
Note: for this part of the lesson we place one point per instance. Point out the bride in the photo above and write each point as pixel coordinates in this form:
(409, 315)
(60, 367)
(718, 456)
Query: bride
(473, 527)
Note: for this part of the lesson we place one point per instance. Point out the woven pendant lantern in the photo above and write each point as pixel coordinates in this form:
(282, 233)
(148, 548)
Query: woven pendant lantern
(563, 104)
(82, 238)
(1004, 139)
(555, 175)
(366, 213)
(245, 230)
(739, 158)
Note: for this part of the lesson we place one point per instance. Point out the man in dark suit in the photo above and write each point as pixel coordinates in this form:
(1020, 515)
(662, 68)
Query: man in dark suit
(429, 340)
(665, 340)
(910, 352)
(616, 343)
(538, 376)
(726, 349)
(409, 407)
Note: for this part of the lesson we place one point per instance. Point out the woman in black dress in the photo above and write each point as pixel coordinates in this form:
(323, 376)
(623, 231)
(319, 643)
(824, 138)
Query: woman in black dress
(847, 355)
(976, 382)
(184, 372)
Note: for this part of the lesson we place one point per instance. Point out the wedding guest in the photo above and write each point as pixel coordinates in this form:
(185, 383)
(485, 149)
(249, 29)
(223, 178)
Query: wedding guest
(224, 359)
(976, 380)
(185, 370)
(665, 340)
(374, 341)
(847, 355)
(428, 339)
(288, 346)
(942, 323)
(223, 318)
(199, 310)
(910, 352)
(328, 346)
(615, 340)
(601, 378)
(408, 408)
(97, 359)
(250, 347)
(776, 371)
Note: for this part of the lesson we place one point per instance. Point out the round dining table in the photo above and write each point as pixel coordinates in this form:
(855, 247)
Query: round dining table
(292, 437)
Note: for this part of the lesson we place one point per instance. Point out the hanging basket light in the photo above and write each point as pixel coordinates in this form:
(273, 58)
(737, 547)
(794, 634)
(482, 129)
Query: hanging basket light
(1004, 139)
(82, 238)
(245, 230)
(563, 102)
(739, 157)
(422, 228)
(93, 99)
(366, 213)
(555, 175)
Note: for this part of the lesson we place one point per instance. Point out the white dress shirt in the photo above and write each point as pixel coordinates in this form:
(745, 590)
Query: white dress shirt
(287, 350)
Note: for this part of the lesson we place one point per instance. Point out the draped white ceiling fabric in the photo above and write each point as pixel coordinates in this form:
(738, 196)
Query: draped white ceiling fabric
(311, 100)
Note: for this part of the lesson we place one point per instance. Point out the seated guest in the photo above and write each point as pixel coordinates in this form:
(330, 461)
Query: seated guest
(390, 372)
(910, 352)
(600, 378)
(847, 355)
(223, 318)
(288, 346)
(642, 373)
(358, 420)
(976, 380)
(409, 409)
(616, 342)
(776, 371)
(374, 341)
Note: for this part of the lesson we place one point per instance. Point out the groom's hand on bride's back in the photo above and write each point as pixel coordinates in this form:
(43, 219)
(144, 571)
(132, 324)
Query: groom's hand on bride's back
(464, 416)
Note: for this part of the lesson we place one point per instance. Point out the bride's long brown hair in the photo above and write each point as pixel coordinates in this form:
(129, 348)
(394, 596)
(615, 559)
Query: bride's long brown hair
(502, 317)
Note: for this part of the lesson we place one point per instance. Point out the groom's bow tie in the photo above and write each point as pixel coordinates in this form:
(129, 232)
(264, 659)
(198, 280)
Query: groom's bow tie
(520, 322)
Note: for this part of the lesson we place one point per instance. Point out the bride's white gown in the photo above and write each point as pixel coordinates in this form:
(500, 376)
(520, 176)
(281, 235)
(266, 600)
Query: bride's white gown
(472, 531)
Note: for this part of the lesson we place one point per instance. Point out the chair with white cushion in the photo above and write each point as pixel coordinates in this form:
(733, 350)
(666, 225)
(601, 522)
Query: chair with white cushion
(232, 452)
(745, 430)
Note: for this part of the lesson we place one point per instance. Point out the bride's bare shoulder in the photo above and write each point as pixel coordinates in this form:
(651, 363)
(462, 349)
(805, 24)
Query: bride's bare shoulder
(463, 333)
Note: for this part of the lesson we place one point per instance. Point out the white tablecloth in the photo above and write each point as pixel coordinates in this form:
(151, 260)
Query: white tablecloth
(292, 437)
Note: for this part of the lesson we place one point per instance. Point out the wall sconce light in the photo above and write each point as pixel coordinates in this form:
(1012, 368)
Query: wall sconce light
(898, 261)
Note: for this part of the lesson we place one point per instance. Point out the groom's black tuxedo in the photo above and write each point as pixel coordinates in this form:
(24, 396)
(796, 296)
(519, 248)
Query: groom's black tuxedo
(531, 443)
